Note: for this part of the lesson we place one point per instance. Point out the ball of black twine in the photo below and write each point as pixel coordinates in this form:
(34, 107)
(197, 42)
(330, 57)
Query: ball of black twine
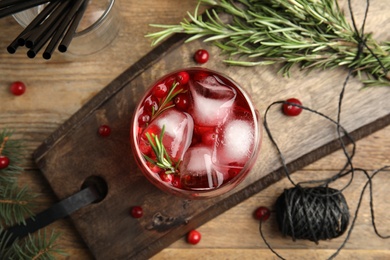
(314, 214)
(318, 212)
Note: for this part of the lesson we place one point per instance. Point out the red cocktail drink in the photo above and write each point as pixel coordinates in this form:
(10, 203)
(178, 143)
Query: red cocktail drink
(195, 133)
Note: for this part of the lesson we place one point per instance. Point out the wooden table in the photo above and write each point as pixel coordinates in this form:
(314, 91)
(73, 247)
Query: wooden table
(56, 89)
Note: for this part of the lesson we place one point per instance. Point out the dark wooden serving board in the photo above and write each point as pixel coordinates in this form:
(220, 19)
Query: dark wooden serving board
(75, 151)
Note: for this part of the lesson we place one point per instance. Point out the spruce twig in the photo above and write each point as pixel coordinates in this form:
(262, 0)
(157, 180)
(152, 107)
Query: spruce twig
(311, 34)
(16, 205)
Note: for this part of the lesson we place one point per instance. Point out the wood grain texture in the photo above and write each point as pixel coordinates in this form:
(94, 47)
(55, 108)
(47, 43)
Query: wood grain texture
(60, 87)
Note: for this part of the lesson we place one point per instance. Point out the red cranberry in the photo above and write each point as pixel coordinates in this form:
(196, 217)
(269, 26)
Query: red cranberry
(104, 130)
(176, 182)
(181, 101)
(169, 81)
(193, 237)
(151, 103)
(143, 119)
(17, 88)
(166, 177)
(209, 138)
(137, 212)
(4, 162)
(201, 56)
(160, 90)
(262, 213)
(183, 77)
(290, 109)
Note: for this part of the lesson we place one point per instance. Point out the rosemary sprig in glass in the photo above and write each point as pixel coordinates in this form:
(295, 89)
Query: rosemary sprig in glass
(163, 160)
(313, 34)
(166, 102)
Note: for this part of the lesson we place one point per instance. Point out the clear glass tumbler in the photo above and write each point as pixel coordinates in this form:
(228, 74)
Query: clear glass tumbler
(195, 133)
(97, 29)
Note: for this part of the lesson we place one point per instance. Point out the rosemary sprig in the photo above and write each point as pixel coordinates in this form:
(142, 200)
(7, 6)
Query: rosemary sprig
(164, 161)
(166, 102)
(313, 34)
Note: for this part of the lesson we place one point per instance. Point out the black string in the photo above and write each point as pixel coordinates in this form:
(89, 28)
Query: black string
(323, 199)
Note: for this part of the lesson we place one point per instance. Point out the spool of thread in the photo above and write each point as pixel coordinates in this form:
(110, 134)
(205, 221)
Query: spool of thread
(318, 213)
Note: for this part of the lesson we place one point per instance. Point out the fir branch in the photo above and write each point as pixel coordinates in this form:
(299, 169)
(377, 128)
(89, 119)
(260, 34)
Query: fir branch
(39, 247)
(12, 149)
(15, 204)
(166, 102)
(311, 34)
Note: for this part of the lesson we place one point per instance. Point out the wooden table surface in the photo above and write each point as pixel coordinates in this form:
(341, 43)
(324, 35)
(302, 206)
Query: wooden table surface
(56, 89)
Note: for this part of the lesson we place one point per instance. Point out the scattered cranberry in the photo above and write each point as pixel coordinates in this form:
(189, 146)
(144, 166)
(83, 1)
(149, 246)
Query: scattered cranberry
(104, 130)
(183, 77)
(290, 109)
(160, 90)
(262, 213)
(4, 162)
(181, 101)
(17, 88)
(151, 103)
(201, 56)
(137, 212)
(193, 237)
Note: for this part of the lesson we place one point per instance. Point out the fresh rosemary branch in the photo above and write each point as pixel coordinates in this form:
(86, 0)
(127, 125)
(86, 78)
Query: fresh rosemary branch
(313, 34)
(164, 161)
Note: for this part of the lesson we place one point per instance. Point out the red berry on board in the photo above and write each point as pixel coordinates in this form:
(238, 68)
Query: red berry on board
(193, 237)
(290, 109)
(151, 103)
(201, 56)
(262, 213)
(160, 90)
(181, 101)
(183, 77)
(17, 88)
(137, 212)
(4, 162)
(104, 130)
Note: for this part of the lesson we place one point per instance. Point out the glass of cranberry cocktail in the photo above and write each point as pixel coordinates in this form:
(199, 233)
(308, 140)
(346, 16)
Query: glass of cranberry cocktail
(195, 133)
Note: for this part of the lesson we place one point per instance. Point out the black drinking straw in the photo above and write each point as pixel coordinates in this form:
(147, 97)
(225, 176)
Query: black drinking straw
(21, 7)
(61, 30)
(40, 31)
(72, 28)
(47, 35)
(37, 21)
(20, 39)
(7, 3)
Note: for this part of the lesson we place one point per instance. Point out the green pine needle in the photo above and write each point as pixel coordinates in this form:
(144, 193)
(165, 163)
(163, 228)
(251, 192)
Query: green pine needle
(308, 33)
(15, 204)
(39, 247)
(12, 149)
